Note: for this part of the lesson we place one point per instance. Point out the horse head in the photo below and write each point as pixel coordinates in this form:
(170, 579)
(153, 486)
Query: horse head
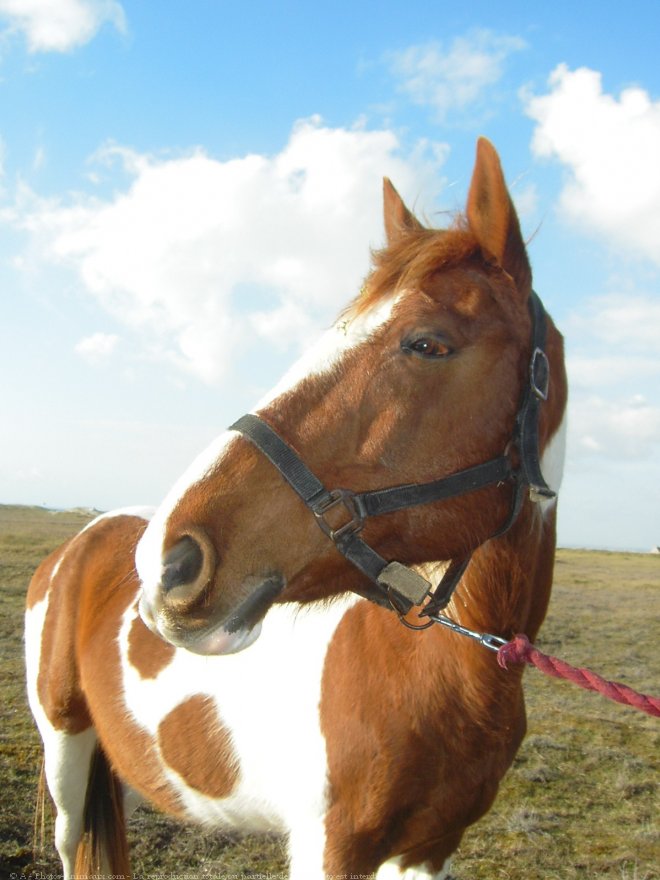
(420, 378)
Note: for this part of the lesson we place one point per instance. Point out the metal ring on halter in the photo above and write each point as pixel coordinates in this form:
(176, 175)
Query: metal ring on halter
(402, 617)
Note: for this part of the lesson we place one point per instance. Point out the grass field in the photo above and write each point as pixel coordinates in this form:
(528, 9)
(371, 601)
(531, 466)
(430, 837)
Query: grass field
(580, 802)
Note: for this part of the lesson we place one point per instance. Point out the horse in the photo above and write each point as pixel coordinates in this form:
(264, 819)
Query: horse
(262, 653)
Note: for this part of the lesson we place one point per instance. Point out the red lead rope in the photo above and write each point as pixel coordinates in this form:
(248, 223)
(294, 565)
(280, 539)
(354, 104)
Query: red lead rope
(521, 650)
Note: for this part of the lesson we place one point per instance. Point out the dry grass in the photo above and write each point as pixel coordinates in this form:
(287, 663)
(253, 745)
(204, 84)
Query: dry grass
(580, 802)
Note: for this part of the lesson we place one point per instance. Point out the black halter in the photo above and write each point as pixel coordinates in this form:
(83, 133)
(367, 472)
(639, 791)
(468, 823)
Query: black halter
(394, 584)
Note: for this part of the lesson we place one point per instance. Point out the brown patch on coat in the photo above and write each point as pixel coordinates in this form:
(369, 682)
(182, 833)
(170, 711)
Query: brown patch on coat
(41, 580)
(58, 680)
(79, 681)
(147, 653)
(196, 745)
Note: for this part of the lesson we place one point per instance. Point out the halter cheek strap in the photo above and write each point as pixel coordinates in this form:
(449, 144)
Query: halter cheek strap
(340, 513)
(325, 505)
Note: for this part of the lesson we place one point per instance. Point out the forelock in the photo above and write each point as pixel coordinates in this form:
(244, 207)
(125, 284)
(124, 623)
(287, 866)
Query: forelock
(414, 259)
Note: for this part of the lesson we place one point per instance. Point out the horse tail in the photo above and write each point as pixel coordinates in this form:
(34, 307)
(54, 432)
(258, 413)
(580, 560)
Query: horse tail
(39, 826)
(103, 847)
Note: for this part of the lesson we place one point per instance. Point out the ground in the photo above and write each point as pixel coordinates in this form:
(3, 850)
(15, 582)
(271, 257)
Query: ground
(581, 800)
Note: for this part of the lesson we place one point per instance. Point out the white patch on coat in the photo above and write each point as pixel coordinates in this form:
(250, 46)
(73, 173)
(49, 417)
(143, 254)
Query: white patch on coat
(307, 841)
(34, 624)
(343, 337)
(148, 554)
(552, 462)
(391, 870)
(68, 758)
(268, 699)
(142, 512)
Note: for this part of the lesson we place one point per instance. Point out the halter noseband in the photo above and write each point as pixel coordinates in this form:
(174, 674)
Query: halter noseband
(393, 584)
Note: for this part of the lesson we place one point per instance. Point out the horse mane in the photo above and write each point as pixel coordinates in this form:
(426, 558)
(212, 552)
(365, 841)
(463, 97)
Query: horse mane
(415, 256)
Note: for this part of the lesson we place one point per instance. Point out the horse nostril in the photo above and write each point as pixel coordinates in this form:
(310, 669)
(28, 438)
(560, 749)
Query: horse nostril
(182, 564)
(187, 570)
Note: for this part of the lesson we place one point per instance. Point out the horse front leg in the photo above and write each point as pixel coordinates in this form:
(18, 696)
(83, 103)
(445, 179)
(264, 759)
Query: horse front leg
(307, 842)
(365, 854)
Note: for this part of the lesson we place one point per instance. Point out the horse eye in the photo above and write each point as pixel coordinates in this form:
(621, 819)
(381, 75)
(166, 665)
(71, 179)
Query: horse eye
(426, 347)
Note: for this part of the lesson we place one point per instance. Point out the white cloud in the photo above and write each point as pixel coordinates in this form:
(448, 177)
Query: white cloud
(614, 366)
(197, 254)
(60, 25)
(39, 159)
(610, 147)
(452, 77)
(616, 429)
(526, 199)
(621, 320)
(598, 370)
(96, 347)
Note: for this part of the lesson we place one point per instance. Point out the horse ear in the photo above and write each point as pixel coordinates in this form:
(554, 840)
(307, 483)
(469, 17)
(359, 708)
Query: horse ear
(398, 219)
(493, 219)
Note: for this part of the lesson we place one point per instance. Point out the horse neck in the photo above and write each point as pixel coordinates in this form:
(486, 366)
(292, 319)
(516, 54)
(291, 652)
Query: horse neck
(504, 591)
(506, 587)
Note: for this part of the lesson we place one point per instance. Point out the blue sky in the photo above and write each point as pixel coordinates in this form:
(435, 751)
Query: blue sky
(189, 191)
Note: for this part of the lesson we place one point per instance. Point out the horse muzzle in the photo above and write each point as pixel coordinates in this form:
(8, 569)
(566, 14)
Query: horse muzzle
(210, 641)
(179, 608)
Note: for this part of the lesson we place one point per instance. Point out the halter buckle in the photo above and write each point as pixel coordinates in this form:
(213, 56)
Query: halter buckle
(404, 582)
(328, 503)
(539, 374)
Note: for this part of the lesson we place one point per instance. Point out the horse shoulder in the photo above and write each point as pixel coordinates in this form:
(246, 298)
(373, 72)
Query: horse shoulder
(411, 761)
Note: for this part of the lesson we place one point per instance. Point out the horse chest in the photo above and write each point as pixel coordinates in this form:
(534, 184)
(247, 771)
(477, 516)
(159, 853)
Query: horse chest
(238, 737)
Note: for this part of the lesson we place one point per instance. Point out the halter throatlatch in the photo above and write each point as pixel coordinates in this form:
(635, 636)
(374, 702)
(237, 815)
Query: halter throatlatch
(341, 513)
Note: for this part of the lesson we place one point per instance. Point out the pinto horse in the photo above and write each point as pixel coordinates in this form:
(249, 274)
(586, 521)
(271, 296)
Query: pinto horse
(240, 666)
